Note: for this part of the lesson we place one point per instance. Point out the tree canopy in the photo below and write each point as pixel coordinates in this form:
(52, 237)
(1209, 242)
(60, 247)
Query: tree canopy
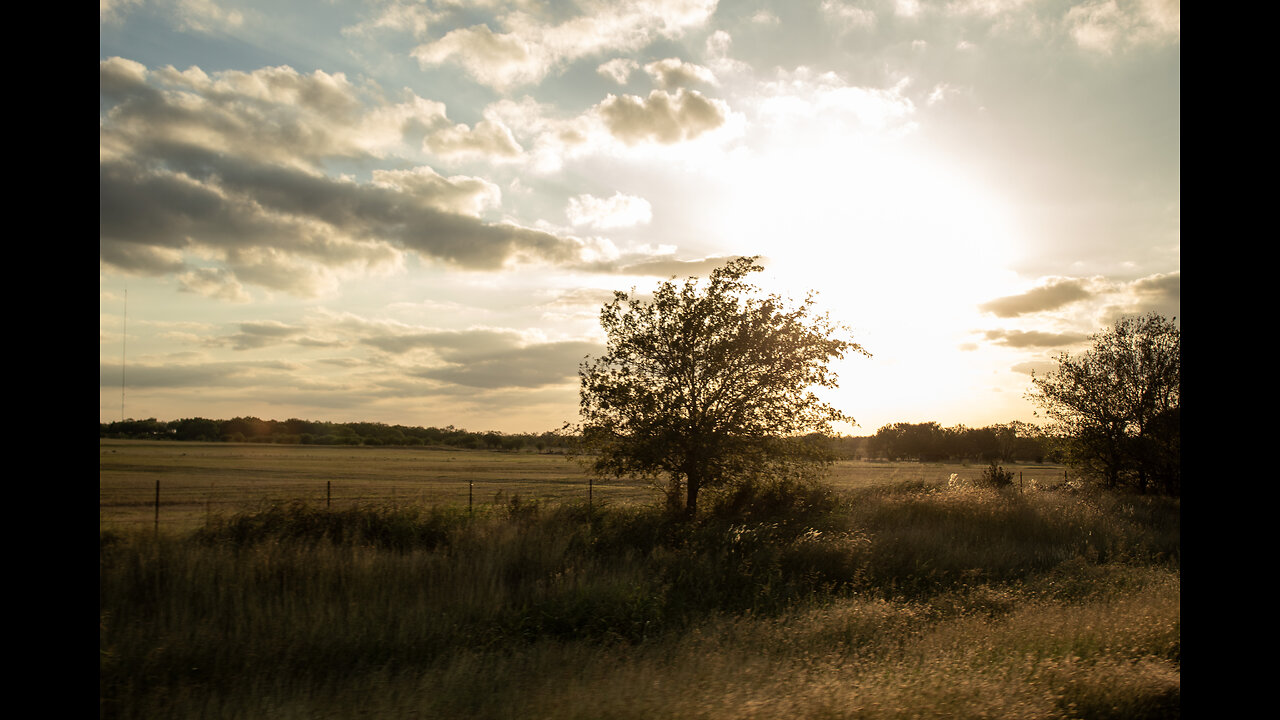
(707, 383)
(1120, 403)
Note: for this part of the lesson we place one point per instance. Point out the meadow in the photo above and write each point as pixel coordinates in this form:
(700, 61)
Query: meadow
(893, 591)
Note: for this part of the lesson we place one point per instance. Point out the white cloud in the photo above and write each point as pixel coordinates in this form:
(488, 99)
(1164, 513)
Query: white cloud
(1107, 26)
(206, 16)
(110, 11)
(526, 48)
(672, 73)
(489, 138)
(847, 16)
(397, 16)
(804, 95)
(604, 213)
(618, 69)
(661, 117)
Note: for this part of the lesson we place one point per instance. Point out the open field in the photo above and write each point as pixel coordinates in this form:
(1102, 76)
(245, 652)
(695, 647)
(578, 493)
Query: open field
(199, 480)
(889, 600)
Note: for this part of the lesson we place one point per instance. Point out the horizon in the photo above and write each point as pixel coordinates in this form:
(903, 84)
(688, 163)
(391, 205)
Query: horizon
(412, 213)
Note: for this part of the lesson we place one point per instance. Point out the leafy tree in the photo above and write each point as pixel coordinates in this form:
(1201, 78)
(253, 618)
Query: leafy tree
(708, 383)
(1119, 402)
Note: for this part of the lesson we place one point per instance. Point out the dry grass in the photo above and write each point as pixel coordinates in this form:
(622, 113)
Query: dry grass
(201, 480)
(907, 600)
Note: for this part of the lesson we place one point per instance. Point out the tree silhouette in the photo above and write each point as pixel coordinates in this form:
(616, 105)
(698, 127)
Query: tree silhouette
(1119, 403)
(708, 383)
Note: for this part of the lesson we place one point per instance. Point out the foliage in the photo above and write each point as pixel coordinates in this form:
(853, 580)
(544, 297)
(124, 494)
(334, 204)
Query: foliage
(708, 384)
(1119, 403)
(996, 476)
(930, 442)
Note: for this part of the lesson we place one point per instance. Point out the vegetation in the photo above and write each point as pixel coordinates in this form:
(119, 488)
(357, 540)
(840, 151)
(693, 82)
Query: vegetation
(707, 385)
(785, 600)
(1119, 404)
(309, 432)
(930, 442)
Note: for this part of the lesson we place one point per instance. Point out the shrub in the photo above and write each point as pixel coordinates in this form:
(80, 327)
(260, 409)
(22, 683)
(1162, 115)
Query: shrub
(996, 476)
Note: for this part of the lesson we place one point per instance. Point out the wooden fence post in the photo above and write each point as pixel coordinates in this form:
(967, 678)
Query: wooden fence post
(157, 507)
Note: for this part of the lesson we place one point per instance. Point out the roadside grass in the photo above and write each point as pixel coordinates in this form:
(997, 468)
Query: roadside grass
(917, 599)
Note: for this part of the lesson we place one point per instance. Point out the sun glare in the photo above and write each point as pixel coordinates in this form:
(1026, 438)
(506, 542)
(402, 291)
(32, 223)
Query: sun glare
(901, 248)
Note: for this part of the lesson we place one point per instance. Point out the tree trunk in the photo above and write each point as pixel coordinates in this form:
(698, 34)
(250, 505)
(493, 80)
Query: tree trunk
(691, 504)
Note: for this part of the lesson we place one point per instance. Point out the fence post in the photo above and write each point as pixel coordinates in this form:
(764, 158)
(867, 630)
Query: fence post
(328, 493)
(157, 507)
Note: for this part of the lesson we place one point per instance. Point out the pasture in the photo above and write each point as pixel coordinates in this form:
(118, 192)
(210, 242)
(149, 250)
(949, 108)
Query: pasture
(892, 593)
(202, 480)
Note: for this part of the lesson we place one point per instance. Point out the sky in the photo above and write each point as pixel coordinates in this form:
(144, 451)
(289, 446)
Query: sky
(412, 212)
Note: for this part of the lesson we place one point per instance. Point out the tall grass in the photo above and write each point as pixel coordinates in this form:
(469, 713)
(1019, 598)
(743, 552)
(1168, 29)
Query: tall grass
(915, 601)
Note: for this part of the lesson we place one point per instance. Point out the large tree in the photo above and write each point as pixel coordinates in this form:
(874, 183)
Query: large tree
(709, 382)
(1119, 403)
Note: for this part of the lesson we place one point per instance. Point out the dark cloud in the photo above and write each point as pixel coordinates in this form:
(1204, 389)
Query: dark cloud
(488, 358)
(524, 367)
(174, 178)
(1052, 296)
(261, 334)
(216, 374)
(443, 341)
(1021, 339)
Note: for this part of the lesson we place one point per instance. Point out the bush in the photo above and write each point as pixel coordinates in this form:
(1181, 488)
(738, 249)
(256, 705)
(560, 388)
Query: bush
(996, 476)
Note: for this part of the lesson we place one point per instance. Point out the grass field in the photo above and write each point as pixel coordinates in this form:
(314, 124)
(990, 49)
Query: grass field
(898, 594)
(199, 480)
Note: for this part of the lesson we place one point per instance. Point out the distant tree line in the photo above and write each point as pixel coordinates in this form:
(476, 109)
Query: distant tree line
(308, 432)
(925, 442)
(930, 442)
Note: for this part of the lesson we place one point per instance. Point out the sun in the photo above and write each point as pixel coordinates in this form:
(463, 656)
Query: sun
(900, 246)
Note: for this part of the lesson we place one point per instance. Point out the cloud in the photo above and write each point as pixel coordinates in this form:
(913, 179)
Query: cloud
(206, 16)
(488, 139)
(806, 96)
(254, 335)
(1161, 293)
(212, 374)
(848, 17)
(662, 117)
(1161, 287)
(526, 48)
(482, 357)
(1051, 296)
(1022, 339)
(1039, 367)
(232, 167)
(397, 17)
(213, 282)
(517, 367)
(675, 73)
(617, 211)
(678, 268)
(111, 11)
(618, 69)
(1108, 26)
